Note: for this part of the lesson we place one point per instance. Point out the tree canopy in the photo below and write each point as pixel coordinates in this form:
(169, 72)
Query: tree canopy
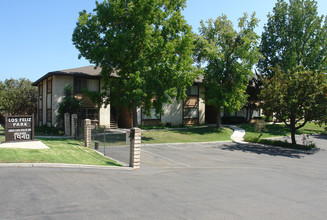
(295, 35)
(295, 97)
(17, 97)
(147, 43)
(229, 56)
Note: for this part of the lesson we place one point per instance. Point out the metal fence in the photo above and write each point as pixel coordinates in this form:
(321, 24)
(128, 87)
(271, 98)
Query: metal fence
(112, 143)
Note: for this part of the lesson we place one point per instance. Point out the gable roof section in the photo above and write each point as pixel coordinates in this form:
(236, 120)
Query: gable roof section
(87, 71)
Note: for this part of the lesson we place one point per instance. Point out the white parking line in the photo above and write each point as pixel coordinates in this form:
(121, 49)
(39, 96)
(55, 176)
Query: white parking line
(165, 158)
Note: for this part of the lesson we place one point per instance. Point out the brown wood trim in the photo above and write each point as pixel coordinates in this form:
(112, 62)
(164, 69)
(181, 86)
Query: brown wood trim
(49, 79)
(186, 120)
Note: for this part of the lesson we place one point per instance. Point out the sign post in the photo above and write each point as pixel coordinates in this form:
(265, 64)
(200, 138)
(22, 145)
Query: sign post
(19, 128)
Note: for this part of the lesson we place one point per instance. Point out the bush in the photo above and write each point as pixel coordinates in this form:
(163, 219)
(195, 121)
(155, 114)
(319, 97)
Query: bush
(233, 120)
(161, 126)
(280, 143)
(47, 130)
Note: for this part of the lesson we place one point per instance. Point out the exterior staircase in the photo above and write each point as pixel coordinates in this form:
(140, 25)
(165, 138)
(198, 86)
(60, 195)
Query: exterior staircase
(113, 123)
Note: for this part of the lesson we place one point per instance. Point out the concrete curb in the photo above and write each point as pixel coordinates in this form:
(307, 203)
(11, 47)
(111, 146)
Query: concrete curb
(61, 165)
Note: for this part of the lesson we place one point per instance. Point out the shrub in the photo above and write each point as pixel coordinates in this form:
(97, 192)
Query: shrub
(259, 126)
(47, 130)
(233, 120)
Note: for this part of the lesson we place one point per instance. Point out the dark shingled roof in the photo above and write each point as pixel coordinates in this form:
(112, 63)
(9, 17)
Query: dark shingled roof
(89, 71)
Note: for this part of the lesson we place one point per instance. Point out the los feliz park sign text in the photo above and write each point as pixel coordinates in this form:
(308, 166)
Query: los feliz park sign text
(19, 128)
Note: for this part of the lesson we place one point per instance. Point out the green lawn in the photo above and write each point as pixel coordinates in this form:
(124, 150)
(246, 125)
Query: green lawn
(201, 134)
(61, 151)
(279, 130)
(206, 134)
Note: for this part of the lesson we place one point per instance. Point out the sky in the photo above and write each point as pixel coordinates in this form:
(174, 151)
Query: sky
(35, 35)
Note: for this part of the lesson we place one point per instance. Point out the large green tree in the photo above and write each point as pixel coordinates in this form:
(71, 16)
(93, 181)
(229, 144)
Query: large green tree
(295, 35)
(68, 104)
(147, 43)
(295, 97)
(229, 56)
(17, 97)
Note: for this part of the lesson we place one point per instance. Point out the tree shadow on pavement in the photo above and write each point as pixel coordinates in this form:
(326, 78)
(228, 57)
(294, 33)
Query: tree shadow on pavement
(269, 150)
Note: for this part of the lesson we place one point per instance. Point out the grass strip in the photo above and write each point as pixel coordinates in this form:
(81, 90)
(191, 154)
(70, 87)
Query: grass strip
(280, 130)
(205, 134)
(61, 151)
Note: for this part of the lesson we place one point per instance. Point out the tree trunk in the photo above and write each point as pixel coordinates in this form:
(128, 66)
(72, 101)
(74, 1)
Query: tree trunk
(134, 114)
(218, 118)
(293, 129)
(247, 114)
(251, 113)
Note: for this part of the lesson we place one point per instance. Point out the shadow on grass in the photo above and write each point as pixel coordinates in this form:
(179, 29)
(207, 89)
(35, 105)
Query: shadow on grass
(199, 131)
(144, 138)
(269, 150)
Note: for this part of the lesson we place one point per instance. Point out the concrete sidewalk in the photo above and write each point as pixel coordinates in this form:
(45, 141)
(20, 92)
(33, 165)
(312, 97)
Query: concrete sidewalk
(36, 144)
(238, 134)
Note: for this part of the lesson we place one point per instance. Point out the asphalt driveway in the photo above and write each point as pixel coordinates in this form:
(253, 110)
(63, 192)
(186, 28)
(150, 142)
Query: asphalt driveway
(191, 181)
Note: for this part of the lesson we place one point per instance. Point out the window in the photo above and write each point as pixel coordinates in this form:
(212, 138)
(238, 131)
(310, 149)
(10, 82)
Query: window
(49, 100)
(89, 84)
(80, 85)
(40, 104)
(40, 89)
(191, 106)
(192, 90)
(49, 115)
(191, 113)
(90, 113)
(152, 116)
(40, 117)
(49, 85)
(93, 85)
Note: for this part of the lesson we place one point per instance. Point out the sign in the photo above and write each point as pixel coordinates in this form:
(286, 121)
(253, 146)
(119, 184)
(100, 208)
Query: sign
(19, 128)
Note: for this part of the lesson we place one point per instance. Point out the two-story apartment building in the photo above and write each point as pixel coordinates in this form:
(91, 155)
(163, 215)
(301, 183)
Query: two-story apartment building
(51, 85)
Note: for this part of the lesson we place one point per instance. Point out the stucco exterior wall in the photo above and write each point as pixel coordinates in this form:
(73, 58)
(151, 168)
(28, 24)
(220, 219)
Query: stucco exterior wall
(58, 84)
(202, 107)
(173, 113)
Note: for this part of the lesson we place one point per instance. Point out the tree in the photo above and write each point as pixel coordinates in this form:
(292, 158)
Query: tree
(253, 90)
(68, 104)
(294, 36)
(17, 97)
(147, 43)
(229, 56)
(295, 97)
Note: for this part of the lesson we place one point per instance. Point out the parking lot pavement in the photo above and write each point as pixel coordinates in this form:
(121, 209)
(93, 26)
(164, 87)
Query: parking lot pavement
(211, 155)
(186, 181)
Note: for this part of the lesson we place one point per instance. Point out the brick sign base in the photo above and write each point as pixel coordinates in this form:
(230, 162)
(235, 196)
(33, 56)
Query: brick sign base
(19, 128)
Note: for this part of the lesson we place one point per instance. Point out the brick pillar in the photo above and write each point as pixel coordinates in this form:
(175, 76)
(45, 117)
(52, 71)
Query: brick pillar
(87, 132)
(74, 126)
(135, 148)
(67, 124)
